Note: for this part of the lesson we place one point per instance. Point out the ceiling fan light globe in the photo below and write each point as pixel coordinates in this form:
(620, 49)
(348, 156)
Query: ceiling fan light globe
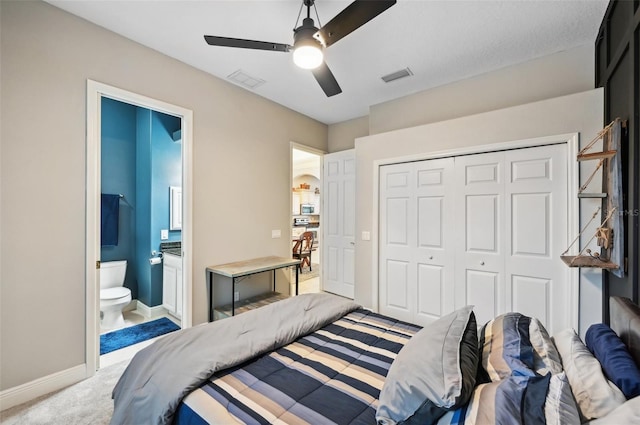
(308, 57)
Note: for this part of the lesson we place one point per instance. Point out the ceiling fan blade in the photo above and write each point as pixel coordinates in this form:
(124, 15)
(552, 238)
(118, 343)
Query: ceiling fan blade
(350, 19)
(327, 81)
(246, 44)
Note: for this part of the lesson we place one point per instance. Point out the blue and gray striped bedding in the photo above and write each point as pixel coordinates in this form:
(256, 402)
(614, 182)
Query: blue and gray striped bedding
(520, 378)
(333, 375)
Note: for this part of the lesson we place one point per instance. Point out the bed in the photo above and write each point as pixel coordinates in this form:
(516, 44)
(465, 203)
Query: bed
(319, 358)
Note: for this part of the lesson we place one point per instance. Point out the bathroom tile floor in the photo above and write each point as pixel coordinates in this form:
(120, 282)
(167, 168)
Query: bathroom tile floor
(131, 318)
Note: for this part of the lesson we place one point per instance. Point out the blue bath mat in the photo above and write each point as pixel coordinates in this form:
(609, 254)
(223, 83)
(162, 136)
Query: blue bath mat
(128, 336)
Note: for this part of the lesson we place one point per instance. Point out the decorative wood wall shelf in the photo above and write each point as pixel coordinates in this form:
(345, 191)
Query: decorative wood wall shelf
(596, 155)
(592, 195)
(604, 233)
(587, 261)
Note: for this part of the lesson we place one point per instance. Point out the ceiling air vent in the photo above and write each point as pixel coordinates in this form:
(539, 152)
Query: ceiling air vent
(242, 78)
(397, 75)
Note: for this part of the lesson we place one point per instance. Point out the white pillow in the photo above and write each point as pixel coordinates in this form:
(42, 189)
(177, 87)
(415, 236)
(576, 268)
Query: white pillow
(595, 394)
(628, 413)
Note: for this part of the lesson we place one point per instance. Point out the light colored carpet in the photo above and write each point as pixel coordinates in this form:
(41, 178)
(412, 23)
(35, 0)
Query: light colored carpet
(87, 402)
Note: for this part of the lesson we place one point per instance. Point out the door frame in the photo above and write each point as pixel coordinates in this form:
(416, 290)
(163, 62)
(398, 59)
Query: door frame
(320, 153)
(571, 140)
(95, 92)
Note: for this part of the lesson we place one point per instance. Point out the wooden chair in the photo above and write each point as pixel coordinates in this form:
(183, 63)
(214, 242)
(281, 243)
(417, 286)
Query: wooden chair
(303, 248)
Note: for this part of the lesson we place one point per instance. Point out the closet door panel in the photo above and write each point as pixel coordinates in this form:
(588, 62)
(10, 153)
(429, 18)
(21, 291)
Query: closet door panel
(531, 229)
(481, 235)
(536, 202)
(397, 292)
(481, 291)
(415, 230)
(479, 214)
(434, 255)
(530, 296)
(430, 291)
(397, 276)
(397, 221)
(430, 216)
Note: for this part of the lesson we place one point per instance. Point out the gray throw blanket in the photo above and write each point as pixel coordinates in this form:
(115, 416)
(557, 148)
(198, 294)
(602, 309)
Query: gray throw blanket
(161, 375)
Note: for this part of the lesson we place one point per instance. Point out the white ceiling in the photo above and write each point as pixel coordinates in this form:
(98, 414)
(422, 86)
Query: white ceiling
(440, 41)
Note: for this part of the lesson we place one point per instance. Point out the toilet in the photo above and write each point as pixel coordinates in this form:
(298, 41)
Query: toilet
(113, 296)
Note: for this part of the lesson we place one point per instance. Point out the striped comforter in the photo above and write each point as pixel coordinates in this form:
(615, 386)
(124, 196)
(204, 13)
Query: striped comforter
(333, 375)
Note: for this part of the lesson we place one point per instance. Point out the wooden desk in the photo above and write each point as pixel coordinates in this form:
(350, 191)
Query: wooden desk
(247, 268)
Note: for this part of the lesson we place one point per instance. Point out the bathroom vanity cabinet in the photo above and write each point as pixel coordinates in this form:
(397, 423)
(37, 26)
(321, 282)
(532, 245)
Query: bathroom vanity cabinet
(172, 284)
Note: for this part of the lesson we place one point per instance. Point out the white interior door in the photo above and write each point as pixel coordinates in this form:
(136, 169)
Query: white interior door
(338, 246)
(416, 244)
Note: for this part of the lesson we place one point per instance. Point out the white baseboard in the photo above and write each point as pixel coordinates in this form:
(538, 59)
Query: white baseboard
(131, 306)
(41, 386)
(150, 312)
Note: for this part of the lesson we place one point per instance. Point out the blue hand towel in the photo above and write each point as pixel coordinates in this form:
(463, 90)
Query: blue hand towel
(110, 212)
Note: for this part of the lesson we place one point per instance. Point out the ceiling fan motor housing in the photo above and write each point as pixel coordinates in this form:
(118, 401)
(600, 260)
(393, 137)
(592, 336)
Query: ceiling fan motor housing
(304, 33)
(307, 51)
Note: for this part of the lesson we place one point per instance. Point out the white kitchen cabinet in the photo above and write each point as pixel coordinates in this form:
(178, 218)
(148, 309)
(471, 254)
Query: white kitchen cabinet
(172, 284)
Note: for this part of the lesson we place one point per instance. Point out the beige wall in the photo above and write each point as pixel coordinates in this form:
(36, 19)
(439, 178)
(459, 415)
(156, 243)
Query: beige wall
(240, 164)
(342, 135)
(582, 113)
(560, 74)
(563, 73)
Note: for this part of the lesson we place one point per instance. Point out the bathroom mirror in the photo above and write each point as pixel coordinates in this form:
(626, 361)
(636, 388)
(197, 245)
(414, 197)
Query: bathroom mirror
(175, 208)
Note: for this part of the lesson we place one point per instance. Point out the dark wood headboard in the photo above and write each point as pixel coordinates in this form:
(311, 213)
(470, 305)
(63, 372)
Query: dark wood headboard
(625, 321)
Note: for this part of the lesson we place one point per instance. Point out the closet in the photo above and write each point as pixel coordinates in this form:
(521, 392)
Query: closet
(484, 229)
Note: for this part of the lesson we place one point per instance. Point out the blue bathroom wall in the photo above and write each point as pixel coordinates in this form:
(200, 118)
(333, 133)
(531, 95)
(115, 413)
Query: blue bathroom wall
(141, 161)
(159, 165)
(118, 176)
(143, 207)
(166, 171)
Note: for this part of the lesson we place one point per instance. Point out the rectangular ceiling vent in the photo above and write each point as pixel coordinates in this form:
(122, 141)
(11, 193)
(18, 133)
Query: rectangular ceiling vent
(242, 78)
(397, 75)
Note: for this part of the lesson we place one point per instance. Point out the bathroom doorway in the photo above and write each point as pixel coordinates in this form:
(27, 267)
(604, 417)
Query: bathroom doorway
(153, 219)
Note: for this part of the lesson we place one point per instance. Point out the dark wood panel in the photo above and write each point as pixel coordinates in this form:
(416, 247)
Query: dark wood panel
(618, 71)
(620, 22)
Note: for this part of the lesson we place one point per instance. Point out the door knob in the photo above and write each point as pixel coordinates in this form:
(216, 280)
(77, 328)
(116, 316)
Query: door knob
(431, 257)
(352, 243)
(482, 263)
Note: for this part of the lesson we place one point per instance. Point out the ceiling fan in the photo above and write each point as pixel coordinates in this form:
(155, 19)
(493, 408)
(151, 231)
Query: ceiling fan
(309, 41)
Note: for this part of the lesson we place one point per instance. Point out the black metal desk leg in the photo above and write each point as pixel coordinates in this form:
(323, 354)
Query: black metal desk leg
(297, 269)
(210, 297)
(233, 296)
(274, 280)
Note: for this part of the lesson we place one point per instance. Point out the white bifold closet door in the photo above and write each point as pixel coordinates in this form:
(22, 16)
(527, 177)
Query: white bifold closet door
(416, 240)
(487, 231)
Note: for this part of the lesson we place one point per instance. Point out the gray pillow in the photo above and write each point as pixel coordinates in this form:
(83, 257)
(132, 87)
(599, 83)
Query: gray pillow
(434, 372)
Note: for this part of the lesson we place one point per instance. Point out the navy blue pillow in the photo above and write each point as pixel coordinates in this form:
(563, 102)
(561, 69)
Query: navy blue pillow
(616, 362)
